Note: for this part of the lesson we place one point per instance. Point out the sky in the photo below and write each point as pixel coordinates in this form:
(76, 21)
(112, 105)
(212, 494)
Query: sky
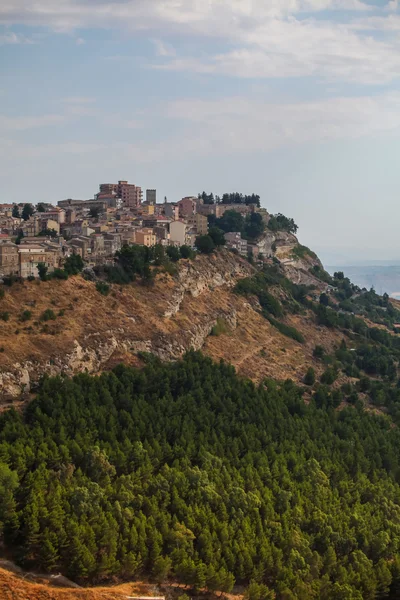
(296, 100)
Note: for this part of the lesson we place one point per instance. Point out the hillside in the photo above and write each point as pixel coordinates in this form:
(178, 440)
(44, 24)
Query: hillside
(91, 332)
(275, 469)
(22, 586)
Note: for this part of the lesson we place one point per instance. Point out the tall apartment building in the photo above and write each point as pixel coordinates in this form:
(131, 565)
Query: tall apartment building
(108, 188)
(151, 196)
(130, 194)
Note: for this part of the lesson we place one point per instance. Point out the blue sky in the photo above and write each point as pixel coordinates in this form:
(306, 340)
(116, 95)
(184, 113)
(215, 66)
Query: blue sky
(297, 100)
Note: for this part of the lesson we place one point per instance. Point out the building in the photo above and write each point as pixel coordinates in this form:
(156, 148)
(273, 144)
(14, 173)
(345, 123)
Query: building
(110, 199)
(56, 214)
(30, 255)
(130, 194)
(178, 233)
(47, 223)
(171, 210)
(235, 241)
(147, 209)
(33, 226)
(145, 237)
(187, 206)
(9, 263)
(151, 196)
(79, 205)
(108, 188)
(199, 223)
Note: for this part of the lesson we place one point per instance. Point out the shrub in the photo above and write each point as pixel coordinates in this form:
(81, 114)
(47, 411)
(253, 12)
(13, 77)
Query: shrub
(4, 316)
(173, 253)
(61, 313)
(309, 378)
(31, 278)
(11, 279)
(103, 288)
(270, 304)
(42, 270)
(329, 376)
(187, 252)
(73, 264)
(2, 293)
(26, 315)
(219, 328)
(48, 315)
(287, 330)
(170, 268)
(318, 352)
(59, 274)
(300, 251)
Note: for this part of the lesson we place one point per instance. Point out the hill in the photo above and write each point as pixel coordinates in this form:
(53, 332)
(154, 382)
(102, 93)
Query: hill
(69, 327)
(275, 468)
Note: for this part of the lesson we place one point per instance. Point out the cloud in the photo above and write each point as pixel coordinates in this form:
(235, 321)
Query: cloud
(24, 123)
(138, 14)
(278, 38)
(237, 125)
(13, 38)
(163, 49)
(231, 126)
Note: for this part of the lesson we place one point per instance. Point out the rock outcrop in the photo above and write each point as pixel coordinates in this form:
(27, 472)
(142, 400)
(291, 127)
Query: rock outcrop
(92, 333)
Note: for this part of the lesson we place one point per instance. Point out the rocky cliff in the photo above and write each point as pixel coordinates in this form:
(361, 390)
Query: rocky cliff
(90, 332)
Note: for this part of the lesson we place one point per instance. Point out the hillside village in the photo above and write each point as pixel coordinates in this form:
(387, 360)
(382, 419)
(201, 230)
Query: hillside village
(95, 229)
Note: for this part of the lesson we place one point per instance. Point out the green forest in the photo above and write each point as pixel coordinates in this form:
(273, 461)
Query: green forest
(187, 471)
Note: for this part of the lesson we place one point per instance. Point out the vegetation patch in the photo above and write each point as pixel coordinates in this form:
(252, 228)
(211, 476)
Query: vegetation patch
(287, 330)
(219, 328)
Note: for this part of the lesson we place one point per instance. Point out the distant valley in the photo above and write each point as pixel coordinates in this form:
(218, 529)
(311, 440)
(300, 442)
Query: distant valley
(383, 278)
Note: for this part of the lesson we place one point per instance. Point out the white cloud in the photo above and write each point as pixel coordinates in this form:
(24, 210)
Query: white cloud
(163, 49)
(13, 38)
(274, 38)
(23, 123)
(232, 125)
(136, 14)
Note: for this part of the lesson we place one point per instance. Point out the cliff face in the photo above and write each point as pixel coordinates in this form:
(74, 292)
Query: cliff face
(91, 332)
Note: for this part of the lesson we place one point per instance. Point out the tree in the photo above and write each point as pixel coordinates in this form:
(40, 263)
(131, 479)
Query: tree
(42, 270)
(309, 378)
(73, 264)
(254, 226)
(27, 211)
(281, 223)
(258, 591)
(15, 211)
(41, 208)
(48, 233)
(186, 251)
(94, 212)
(324, 299)
(161, 568)
(217, 236)
(205, 244)
(173, 253)
(231, 220)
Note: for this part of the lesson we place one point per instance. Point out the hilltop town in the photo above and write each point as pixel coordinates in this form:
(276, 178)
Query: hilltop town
(95, 229)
